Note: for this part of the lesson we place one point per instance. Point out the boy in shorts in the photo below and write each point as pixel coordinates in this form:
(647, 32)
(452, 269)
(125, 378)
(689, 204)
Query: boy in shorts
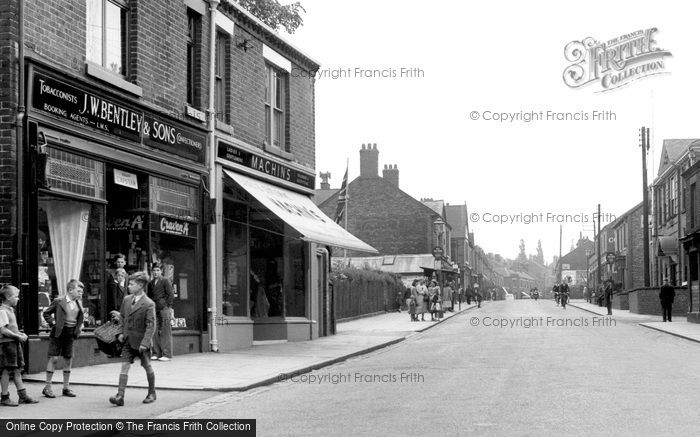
(11, 352)
(65, 326)
(138, 314)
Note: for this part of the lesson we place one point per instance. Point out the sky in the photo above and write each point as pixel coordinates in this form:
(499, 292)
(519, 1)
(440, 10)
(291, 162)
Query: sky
(465, 60)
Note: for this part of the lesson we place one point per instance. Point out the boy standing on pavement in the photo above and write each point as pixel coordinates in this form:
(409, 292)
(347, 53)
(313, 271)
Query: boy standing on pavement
(161, 291)
(138, 314)
(11, 352)
(65, 328)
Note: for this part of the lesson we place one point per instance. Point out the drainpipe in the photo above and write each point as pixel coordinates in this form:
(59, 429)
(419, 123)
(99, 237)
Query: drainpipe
(18, 262)
(213, 304)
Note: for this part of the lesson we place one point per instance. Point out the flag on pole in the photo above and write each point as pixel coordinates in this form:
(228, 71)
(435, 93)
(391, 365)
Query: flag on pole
(341, 209)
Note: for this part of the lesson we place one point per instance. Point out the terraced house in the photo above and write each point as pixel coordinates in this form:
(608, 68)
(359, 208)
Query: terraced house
(173, 131)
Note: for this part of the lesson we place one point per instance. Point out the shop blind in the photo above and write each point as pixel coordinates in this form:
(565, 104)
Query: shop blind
(75, 174)
(174, 199)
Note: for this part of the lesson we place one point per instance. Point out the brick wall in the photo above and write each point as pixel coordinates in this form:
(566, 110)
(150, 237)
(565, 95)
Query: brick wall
(8, 106)
(248, 97)
(385, 217)
(646, 301)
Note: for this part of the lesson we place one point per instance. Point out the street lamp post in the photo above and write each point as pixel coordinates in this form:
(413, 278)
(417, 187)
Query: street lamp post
(439, 227)
(588, 274)
(609, 259)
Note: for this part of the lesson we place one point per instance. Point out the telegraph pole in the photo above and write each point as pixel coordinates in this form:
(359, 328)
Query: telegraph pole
(598, 255)
(645, 209)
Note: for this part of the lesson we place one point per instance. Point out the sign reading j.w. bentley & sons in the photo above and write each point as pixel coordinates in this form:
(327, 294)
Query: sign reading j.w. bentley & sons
(265, 165)
(66, 101)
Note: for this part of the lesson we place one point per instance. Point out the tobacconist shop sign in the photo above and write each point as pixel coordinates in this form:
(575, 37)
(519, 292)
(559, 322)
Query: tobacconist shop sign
(173, 226)
(71, 103)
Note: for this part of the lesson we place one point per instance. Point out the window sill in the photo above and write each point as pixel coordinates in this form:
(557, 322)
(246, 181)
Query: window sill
(224, 127)
(277, 151)
(100, 73)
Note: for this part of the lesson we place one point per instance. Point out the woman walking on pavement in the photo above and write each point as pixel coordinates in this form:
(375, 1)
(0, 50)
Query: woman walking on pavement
(434, 294)
(421, 300)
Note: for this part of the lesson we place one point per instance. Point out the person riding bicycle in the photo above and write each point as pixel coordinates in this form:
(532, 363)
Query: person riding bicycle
(564, 294)
(555, 291)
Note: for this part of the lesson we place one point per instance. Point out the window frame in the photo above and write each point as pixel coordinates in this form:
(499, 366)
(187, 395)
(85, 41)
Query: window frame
(276, 103)
(221, 76)
(124, 20)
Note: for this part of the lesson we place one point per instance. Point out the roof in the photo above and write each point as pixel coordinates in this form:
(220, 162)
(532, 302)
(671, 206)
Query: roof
(393, 263)
(672, 151)
(456, 216)
(436, 205)
(358, 181)
(321, 196)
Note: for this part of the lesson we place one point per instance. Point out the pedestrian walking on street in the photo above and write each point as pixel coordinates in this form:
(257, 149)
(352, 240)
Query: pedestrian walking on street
(478, 297)
(160, 291)
(138, 314)
(666, 296)
(65, 317)
(434, 298)
(412, 300)
(609, 295)
(447, 296)
(422, 300)
(407, 297)
(469, 292)
(11, 350)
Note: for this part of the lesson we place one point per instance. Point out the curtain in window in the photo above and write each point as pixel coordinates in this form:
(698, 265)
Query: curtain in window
(68, 224)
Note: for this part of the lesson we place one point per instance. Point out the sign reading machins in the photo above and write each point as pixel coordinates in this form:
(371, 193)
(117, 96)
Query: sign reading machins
(71, 103)
(265, 165)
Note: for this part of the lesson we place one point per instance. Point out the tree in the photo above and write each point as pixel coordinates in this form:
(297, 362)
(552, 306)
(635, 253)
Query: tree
(540, 254)
(276, 15)
(522, 256)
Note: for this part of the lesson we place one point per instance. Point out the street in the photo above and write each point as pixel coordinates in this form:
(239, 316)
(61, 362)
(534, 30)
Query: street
(566, 378)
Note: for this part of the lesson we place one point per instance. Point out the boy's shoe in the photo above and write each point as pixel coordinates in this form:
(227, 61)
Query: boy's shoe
(164, 359)
(48, 392)
(68, 392)
(154, 357)
(27, 400)
(7, 402)
(150, 398)
(117, 400)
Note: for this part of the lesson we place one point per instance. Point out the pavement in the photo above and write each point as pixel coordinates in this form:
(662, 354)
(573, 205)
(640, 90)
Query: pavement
(257, 366)
(679, 328)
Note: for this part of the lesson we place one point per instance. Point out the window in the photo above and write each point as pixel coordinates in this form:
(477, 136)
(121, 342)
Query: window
(275, 108)
(221, 77)
(106, 42)
(194, 21)
(692, 205)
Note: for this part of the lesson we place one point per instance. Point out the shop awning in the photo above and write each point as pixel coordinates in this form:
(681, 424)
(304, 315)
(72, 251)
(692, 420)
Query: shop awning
(668, 246)
(299, 212)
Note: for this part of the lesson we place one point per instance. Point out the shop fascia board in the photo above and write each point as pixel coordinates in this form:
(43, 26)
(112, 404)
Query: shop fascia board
(123, 154)
(267, 178)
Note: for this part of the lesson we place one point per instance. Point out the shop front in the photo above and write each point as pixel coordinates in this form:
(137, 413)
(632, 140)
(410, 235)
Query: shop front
(107, 177)
(273, 257)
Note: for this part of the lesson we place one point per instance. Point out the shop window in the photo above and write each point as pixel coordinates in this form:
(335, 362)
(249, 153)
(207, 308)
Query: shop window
(276, 85)
(74, 174)
(176, 254)
(295, 278)
(194, 25)
(70, 246)
(174, 199)
(235, 292)
(106, 34)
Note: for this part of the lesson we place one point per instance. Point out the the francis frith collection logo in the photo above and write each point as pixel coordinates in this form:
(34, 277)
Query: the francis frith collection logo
(616, 62)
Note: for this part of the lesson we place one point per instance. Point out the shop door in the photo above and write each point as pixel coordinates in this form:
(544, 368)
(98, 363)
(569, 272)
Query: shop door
(325, 320)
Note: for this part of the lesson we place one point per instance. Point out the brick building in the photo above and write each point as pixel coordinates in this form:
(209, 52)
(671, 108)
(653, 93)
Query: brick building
(386, 217)
(691, 239)
(669, 210)
(111, 142)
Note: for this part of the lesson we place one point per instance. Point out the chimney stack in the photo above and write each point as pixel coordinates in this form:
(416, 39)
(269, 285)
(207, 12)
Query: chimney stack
(324, 180)
(391, 174)
(369, 161)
